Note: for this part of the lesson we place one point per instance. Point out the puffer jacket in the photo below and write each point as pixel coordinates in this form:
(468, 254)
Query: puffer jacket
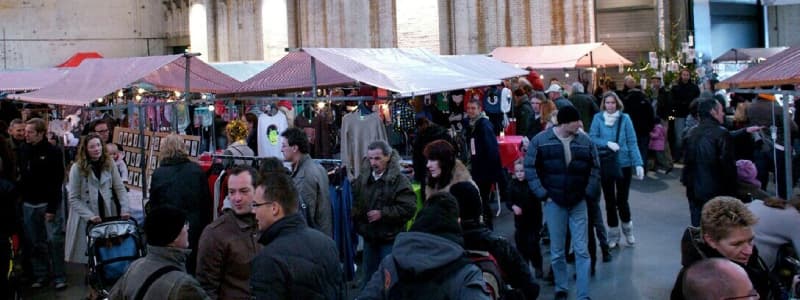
(710, 168)
(227, 247)
(694, 249)
(297, 262)
(418, 253)
(311, 181)
(549, 177)
(515, 269)
(391, 194)
(175, 285)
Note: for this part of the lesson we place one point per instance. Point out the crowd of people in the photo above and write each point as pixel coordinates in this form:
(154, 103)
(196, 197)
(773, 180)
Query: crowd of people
(274, 237)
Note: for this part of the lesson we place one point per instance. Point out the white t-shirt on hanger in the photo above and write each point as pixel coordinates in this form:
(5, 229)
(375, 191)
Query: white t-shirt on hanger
(269, 133)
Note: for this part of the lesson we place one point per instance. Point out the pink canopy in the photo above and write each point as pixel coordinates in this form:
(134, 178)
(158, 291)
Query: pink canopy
(561, 56)
(15, 81)
(292, 73)
(97, 78)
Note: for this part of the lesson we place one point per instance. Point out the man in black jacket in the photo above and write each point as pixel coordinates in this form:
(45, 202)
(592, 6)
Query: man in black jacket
(41, 177)
(710, 169)
(297, 262)
(484, 162)
(478, 237)
(681, 95)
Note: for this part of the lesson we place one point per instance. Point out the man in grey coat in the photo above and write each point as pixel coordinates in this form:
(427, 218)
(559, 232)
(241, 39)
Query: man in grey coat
(161, 274)
(310, 179)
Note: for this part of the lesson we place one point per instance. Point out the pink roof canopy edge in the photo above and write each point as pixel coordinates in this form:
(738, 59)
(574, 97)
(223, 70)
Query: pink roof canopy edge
(28, 80)
(292, 73)
(97, 78)
(781, 68)
(561, 56)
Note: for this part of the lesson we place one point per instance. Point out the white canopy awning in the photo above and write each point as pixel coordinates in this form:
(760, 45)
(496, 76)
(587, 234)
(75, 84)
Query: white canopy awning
(485, 65)
(406, 71)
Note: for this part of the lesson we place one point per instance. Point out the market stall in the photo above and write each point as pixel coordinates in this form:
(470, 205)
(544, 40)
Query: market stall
(767, 77)
(146, 89)
(737, 59)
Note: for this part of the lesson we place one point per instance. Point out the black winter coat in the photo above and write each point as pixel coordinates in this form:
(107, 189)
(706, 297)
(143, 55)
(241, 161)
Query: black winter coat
(41, 168)
(515, 269)
(8, 209)
(182, 184)
(525, 115)
(485, 163)
(297, 262)
(548, 175)
(639, 108)
(681, 95)
(710, 169)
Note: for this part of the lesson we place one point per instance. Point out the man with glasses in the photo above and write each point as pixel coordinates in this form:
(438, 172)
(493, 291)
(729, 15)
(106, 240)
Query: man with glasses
(296, 261)
(717, 278)
(101, 127)
(228, 245)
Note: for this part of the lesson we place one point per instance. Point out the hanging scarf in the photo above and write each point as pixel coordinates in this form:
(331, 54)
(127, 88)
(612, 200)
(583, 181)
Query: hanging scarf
(611, 119)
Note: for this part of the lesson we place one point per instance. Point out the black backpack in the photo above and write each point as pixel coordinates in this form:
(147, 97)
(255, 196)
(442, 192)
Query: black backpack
(426, 285)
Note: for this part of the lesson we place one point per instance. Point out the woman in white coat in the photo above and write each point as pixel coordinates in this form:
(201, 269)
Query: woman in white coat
(95, 192)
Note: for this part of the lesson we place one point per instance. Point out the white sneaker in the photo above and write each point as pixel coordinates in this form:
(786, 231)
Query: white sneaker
(613, 237)
(627, 230)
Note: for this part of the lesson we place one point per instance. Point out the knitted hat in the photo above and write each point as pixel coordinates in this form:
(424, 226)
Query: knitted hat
(439, 216)
(163, 225)
(747, 172)
(469, 201)
(567, 114)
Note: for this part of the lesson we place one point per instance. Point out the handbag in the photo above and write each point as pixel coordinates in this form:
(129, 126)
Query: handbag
(609, 165)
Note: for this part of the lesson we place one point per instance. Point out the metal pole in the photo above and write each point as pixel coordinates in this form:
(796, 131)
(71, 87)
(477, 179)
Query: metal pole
(143, 163)
(314, 78)
(185, 92)
(787, 145)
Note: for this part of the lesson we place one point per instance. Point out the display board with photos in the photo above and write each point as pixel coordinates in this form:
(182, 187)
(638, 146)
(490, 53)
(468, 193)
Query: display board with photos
(129, 139)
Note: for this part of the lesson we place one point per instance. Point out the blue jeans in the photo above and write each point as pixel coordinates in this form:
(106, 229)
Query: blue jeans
(558, 218)
(46, 239)
(372, 256)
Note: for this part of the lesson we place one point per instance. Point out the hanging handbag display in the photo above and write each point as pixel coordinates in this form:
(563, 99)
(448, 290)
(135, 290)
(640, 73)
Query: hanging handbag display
(609, 164)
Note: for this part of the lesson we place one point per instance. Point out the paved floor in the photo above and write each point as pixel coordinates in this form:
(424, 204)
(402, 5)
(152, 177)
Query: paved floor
(645, 271)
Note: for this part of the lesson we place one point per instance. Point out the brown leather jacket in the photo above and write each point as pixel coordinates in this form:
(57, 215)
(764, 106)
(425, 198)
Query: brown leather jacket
(226, 248)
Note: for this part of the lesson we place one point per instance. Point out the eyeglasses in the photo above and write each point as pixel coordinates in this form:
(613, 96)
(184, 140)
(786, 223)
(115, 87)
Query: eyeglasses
(254, 204)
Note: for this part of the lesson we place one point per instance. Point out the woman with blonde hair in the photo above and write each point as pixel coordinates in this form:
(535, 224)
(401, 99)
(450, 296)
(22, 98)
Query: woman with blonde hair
(96, 193)
(181, 183)
(237, 134)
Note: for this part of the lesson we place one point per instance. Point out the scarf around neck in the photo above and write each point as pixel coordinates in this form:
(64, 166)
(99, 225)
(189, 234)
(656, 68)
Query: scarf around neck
(611, 119)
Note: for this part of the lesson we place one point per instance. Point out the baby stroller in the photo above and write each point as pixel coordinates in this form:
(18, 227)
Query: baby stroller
(112, 246)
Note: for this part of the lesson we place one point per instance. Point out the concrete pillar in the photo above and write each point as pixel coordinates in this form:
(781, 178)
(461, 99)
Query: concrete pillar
(198, 27)
(275, 28)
